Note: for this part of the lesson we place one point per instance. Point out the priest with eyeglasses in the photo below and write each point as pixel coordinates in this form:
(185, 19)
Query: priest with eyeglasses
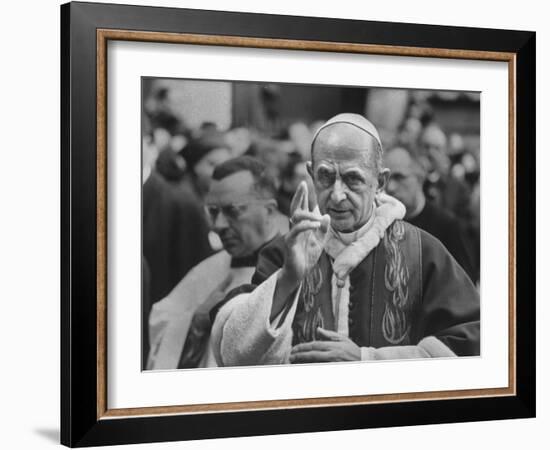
(243, 212)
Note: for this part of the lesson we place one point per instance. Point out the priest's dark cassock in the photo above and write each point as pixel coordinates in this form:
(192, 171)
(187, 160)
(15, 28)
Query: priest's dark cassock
(448, 229)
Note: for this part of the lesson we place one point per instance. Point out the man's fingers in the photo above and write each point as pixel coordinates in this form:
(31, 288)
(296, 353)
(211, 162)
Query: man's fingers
(305, 198)
(298, 198)
(329, 335)
(322, 346)
(300, 215)
(325, 223)
(304, 225)
(312, 357)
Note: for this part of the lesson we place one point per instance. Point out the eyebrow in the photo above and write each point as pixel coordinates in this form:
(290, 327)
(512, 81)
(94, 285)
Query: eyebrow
(326, 167)
(353, 171)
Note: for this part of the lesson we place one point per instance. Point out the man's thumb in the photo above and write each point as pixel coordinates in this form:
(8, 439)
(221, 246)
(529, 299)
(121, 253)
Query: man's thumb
(328, 335)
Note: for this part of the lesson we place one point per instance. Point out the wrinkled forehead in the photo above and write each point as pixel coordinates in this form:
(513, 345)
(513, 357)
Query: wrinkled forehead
(343, 144)
(237, 187)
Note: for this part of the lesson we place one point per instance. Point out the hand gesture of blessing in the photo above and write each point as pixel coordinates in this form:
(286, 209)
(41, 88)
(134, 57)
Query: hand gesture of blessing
(306, 238)
(303, 246)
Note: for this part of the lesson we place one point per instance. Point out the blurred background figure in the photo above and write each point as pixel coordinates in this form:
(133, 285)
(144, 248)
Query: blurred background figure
(175, 234)
(202, 155)
(160, 112)
(409, 133)
(442, 188)
(474, 227)
(241, 205)
(405, 183)
(293, 174)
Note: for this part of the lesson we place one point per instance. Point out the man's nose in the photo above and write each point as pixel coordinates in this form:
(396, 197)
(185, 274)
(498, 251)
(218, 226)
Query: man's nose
(220, 222)
(391, 186)
(338, 193)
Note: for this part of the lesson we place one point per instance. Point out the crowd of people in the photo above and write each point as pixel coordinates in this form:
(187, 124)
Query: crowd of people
(215, 200)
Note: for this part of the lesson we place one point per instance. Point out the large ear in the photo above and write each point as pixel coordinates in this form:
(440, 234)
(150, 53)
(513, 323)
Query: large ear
(383, 178)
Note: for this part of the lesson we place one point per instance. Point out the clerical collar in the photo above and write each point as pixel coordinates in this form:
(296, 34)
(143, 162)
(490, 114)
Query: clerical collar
(252, 259)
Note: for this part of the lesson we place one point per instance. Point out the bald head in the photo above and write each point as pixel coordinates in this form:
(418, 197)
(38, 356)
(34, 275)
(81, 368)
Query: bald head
(344, 140)
(346, 169)
(434, 136)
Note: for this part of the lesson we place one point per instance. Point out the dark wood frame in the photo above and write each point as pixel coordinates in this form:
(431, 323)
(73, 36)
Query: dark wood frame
(85, 30)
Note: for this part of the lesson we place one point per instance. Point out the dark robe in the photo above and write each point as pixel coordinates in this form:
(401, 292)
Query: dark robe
(175, 234)
(449, 193)
(445, 227)
(409, 287)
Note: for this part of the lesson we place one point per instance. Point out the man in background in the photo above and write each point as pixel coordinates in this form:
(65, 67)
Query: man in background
(241, 206)
(405, 183)
(175, 235)
(441, 187)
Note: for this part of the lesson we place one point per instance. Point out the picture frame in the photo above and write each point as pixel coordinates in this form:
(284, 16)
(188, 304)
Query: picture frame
(86, 418)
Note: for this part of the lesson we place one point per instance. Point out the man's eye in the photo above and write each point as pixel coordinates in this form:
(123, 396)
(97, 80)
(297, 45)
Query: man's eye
(352, 179)
(326, 177)
(232, 211)
(398, 177)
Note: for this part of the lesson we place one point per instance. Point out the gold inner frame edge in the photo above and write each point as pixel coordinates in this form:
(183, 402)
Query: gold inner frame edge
(103, 36)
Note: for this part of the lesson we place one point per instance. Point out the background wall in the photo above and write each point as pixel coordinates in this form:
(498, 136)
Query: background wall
(29, 226)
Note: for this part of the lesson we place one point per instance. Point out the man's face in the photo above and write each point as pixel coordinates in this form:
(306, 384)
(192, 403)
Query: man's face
(238, 215)
(344, 175)
(404, 183)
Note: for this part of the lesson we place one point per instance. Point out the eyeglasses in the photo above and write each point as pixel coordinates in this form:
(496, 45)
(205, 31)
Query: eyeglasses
(231, 211)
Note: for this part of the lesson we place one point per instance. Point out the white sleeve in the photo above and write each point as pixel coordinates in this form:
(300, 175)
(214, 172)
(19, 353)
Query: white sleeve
(159, 320)
(242, 333)
(429, 347)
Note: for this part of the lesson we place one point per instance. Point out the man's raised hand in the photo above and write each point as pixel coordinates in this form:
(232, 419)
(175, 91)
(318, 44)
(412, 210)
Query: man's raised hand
(303, 246)
(306, 237)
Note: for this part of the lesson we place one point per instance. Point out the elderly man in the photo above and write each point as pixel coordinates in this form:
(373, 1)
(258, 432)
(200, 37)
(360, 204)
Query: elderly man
(242, 207)
(355, 283)
(405, 183)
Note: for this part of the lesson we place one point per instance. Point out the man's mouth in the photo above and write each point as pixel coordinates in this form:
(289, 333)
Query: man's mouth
(338, 212)
(228, 241)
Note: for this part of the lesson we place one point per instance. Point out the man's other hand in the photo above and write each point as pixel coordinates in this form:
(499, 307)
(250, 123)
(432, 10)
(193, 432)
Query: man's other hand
(331, 347)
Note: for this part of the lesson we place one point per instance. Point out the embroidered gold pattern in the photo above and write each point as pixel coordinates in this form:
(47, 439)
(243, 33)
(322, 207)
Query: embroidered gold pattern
(395, 326)
(313, 317)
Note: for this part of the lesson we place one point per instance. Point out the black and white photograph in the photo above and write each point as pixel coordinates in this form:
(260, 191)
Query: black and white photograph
(299, 223)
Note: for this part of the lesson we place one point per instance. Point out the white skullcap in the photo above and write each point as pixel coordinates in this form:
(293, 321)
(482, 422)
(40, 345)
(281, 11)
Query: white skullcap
(352, 119)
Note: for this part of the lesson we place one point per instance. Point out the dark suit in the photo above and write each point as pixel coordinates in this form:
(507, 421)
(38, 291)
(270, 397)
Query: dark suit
(175, 233)
(445, 227)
